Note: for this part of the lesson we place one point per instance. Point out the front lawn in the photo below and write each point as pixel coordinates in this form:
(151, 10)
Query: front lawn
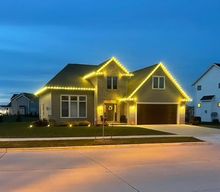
(216, 126)
(90, 142)
(21, 129)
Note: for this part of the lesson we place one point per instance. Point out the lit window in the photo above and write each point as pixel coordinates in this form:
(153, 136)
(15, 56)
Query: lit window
(199, 87)
(199, 105)
(218, 104)
(112, 82)
(73, 106)
(158, 82)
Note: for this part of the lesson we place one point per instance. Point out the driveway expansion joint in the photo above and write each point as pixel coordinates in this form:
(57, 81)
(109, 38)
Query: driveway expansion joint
(112, 173)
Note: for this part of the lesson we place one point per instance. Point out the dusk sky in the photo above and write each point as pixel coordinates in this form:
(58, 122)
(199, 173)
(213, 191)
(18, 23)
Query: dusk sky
(38, 38)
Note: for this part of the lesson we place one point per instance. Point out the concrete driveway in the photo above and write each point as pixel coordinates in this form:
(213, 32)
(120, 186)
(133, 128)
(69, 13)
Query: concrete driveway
(143, 168)
(208, 134)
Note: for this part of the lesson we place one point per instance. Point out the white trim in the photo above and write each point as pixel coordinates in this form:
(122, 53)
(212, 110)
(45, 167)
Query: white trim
(158, 103)
(69, 103)
(18, 96)
(158, 76)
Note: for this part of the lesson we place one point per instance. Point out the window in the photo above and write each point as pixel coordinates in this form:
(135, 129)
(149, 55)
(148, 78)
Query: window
(73, 106)
(199, 87)
(109, 82)
(218, 104)
(112, 82)
(115, 81)
(199, 105)
(219, 85)
(158, 82)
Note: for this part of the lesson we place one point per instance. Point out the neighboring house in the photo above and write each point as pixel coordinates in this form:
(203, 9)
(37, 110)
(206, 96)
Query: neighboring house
(24, 104)
(87, 92)
(5, 109)
(207, 94)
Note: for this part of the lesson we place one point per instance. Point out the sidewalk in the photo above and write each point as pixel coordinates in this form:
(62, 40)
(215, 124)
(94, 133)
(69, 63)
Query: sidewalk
(87, 138)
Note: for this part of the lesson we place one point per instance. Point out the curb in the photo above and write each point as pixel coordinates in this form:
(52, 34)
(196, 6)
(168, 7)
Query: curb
(39, 149)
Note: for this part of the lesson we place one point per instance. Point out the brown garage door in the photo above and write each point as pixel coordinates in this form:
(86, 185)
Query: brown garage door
(156, 114)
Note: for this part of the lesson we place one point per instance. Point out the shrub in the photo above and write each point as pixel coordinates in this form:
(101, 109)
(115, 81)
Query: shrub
(1, 118)
(196, 120)
(18, 118)
(83, 123)
(52, 122)
(41, 123)
(215, 121)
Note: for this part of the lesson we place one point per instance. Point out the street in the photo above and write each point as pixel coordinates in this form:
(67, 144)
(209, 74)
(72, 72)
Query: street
(151, 168)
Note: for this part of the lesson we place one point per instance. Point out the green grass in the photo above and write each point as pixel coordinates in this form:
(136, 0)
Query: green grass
(22, 129)
(29, 144)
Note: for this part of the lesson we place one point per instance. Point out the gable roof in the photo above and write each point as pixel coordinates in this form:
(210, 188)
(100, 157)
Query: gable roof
(104, 64)
(138, 77)
(75, 77)
(29, 96)
(214, 65)
(151, 71)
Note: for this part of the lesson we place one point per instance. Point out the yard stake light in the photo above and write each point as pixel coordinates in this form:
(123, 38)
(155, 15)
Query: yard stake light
(30, 126)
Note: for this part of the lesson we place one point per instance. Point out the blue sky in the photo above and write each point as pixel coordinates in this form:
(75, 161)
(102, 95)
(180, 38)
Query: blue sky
(38, 38)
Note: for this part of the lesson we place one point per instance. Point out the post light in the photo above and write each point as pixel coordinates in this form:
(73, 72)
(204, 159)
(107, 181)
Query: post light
(30, 126)
(70, 125)
(48, 125)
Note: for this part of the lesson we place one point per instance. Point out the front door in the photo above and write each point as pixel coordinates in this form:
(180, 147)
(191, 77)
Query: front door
(110, 112)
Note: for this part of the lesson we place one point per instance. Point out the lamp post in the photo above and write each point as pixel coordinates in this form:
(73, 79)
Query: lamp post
(103, 123)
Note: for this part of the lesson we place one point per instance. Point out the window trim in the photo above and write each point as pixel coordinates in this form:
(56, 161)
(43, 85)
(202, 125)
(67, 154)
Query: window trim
(112, 82)
(69, 106)
(158, 76)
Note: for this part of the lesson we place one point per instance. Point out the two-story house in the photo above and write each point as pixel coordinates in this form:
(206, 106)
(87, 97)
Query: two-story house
(207, 94)
(88, 92)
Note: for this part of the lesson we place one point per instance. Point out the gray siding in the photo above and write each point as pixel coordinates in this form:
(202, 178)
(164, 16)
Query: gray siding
(169, 94)
(56, 105)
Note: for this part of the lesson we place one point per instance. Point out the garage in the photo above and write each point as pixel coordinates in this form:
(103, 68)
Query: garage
(156, 114)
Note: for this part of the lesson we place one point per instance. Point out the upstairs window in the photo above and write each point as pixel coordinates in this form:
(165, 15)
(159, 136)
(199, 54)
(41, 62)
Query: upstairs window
(199, 87)
(115, 82)
(112, 82)
(109, 82)
(158, 82)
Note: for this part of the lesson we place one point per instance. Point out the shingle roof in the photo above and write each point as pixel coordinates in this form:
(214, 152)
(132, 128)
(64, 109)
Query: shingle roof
(218, 64)
(30, 96)
(72, 76)
(207, 97)
(139, 76)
